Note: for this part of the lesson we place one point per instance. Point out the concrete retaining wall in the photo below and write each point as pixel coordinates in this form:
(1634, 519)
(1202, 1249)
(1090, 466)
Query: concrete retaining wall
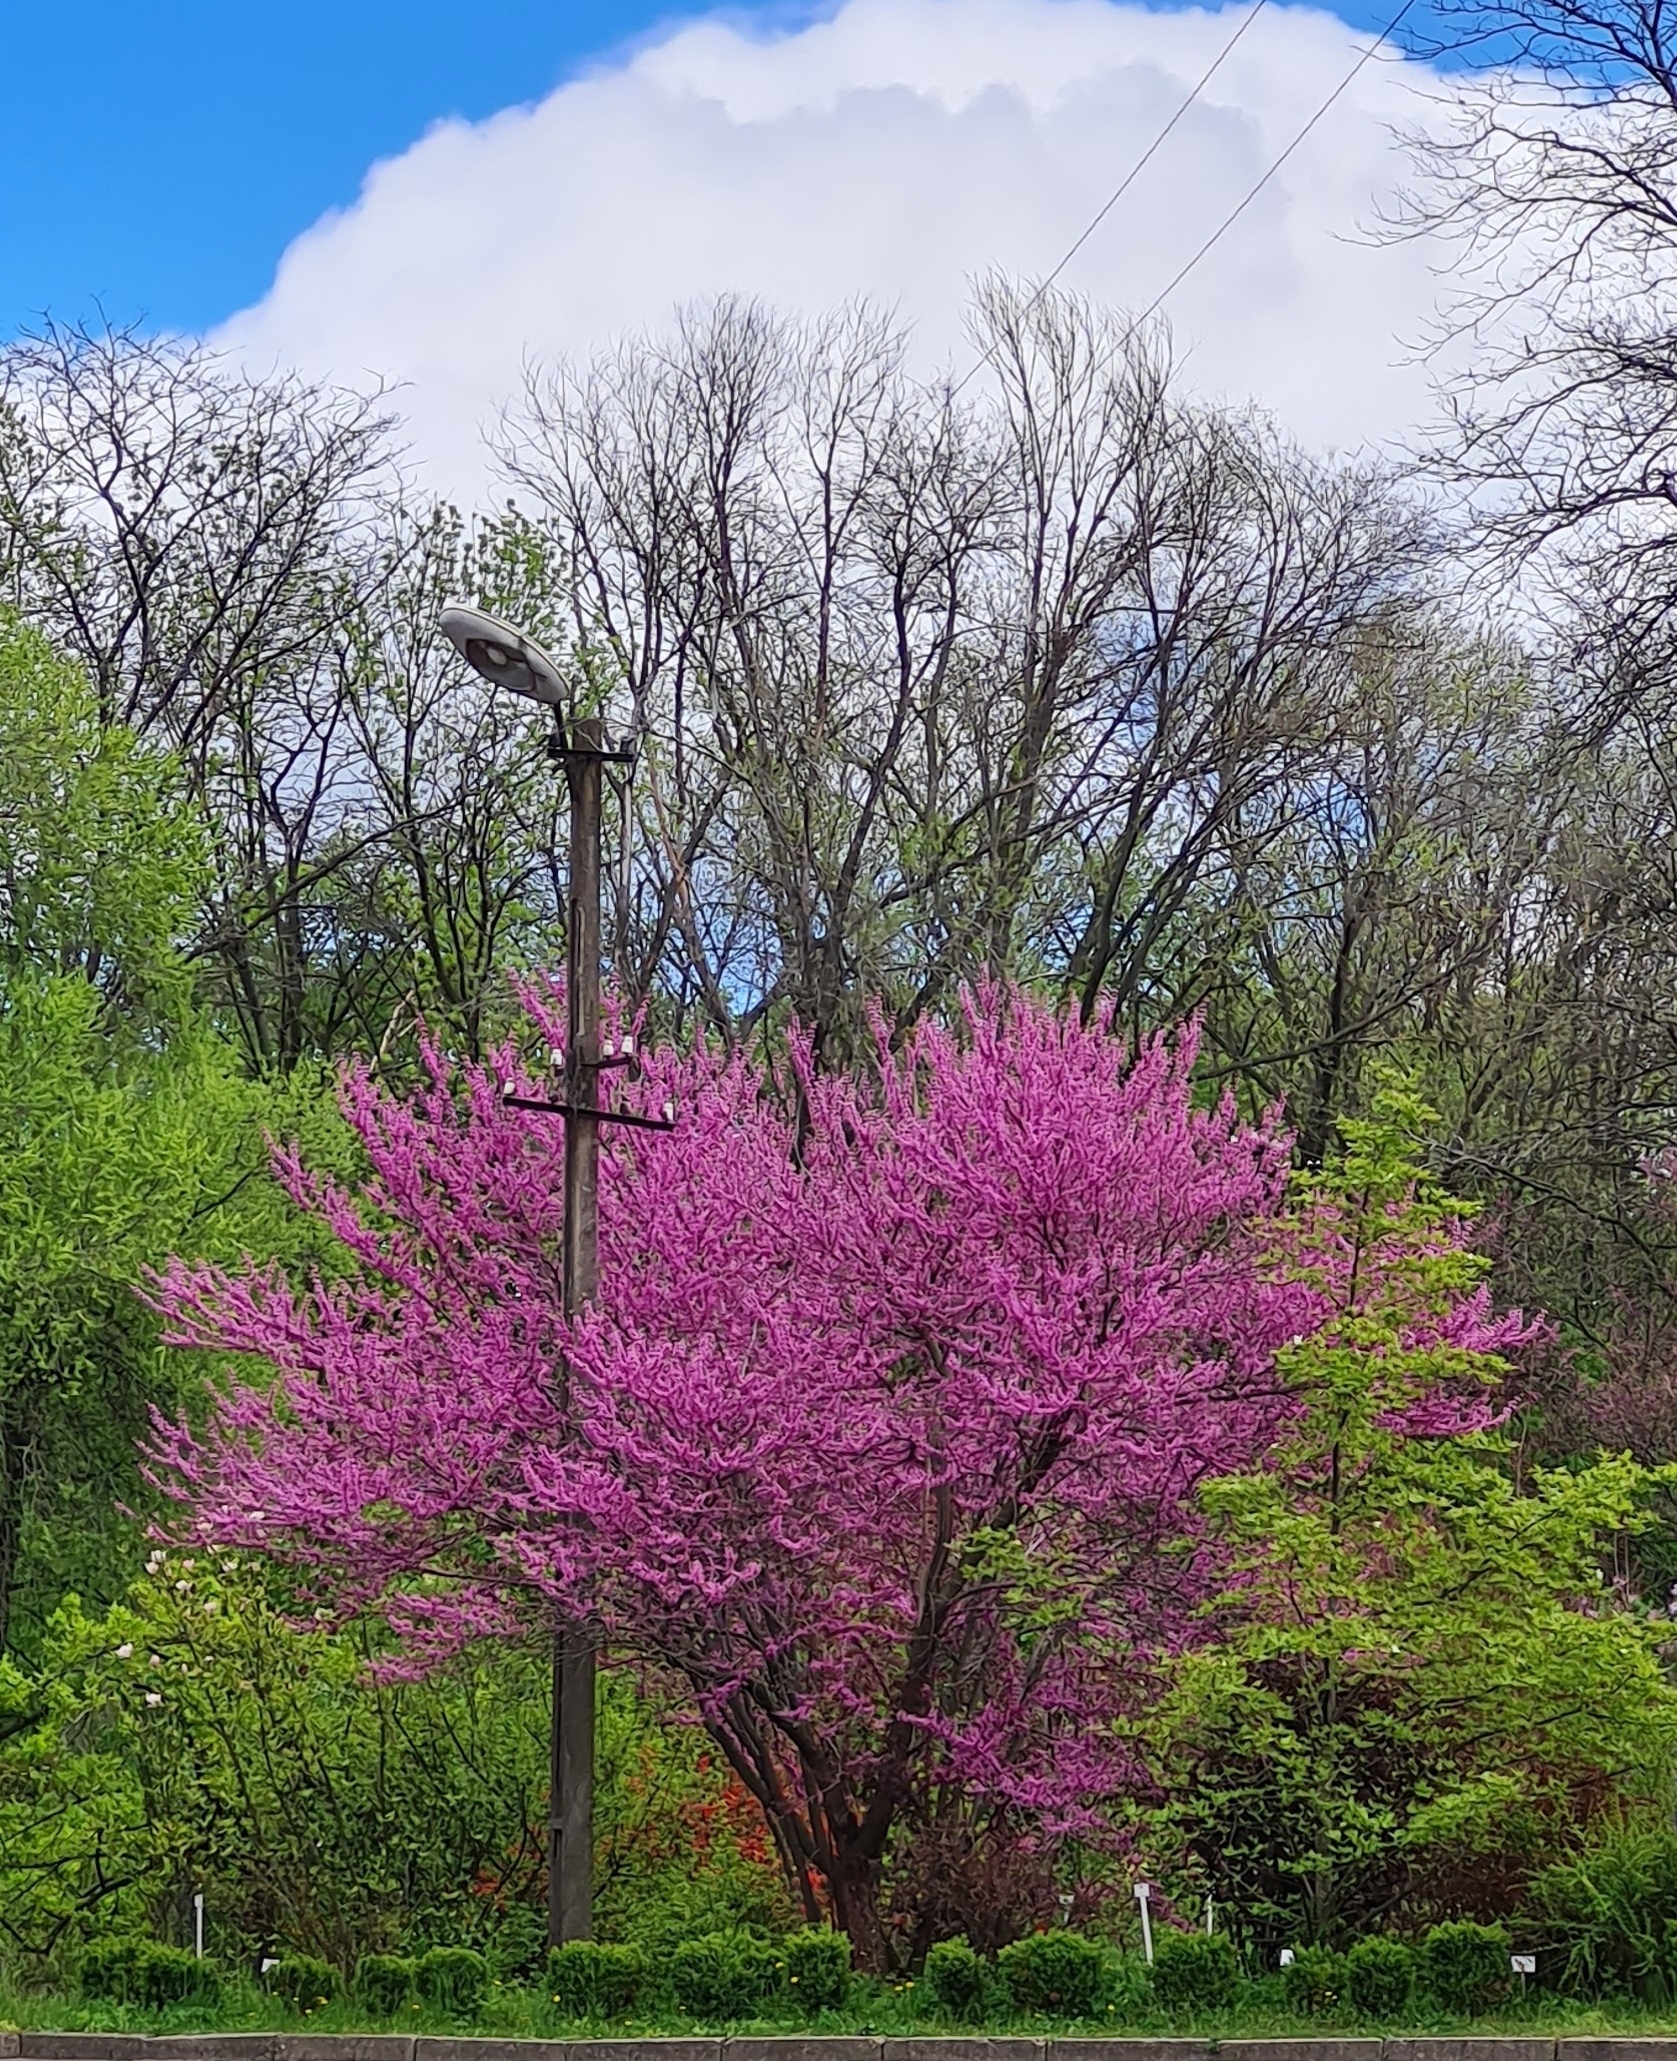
(284, 2046)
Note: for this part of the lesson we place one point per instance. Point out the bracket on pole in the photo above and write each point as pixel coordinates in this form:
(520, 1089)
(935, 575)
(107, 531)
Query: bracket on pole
(604, 1116)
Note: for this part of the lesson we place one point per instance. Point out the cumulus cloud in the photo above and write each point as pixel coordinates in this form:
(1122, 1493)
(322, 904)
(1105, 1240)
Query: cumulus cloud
(895, 149)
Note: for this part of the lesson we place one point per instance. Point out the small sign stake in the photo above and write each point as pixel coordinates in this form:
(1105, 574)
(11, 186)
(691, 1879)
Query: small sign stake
(1143, 1890)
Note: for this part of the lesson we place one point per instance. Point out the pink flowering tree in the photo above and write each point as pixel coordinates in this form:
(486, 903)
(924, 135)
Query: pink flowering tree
(885, 1439)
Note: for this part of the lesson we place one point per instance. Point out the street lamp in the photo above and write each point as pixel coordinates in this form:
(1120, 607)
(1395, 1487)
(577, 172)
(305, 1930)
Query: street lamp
(505, 657)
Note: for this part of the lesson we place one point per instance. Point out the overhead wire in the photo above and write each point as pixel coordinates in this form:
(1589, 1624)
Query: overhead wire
(1258, 185)
(1131, 176)
(1234, 214)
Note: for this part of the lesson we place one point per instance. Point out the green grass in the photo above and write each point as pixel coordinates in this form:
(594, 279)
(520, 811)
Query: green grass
(878, 2008)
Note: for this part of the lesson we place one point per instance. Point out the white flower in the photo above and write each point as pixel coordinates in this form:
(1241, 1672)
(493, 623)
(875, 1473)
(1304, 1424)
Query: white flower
(153, 1698)
(182, 1587)
(157, 1660)
(126, 1650)
(211, 1607)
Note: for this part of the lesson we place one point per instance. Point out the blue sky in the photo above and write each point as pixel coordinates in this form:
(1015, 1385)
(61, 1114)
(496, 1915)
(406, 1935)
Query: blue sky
(156, 159)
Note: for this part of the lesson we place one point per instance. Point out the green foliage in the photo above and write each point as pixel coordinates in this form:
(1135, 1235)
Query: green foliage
(171, 1975)
(725, 1976)
(958, 1979)
(109, 1968)
(452, 1979)
(1612, 1911)
(1194, 1971)
(384, 1983)
(1379, 1978)
(512, 1938)
(1609, 1913)
(681, 1849)
(207, 1723)
(126, 1132)
(1464, 1966)
(103, 863)
(1416, 1669)
(1054, 1972)
(1314, 1982)
(589, 1980)
(302, 1982)
(200, 1725)
(113, 1152)
(140, 1971)
(817, 1968)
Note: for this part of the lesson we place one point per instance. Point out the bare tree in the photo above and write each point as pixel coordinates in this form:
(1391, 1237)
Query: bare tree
(234, 563)
(202, 543)
(937, 690)
(1553, 175)
(179, 528)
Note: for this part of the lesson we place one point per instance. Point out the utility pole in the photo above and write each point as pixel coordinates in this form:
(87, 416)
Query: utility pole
(506, 658)
(570, 1818)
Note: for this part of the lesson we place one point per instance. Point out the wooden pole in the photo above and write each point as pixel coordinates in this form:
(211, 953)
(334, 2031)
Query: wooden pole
(570, 1824)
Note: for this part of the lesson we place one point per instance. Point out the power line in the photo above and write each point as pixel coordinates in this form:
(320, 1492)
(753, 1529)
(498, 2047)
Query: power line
(1234, 214)
(1263, 180)
(1131, 176)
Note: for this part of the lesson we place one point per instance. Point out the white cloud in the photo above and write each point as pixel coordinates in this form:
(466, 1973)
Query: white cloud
(896, 149)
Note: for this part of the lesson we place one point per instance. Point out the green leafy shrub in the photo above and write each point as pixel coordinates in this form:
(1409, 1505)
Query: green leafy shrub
(1313, 1982)
(1194, 1971)
(514, 1943)
(139, 1971)
(1610, 1912)
(1465, 1966)
(171, 1975)
(725, 1975)
(589, 1980)
(302, 1982)
(817, 1968)
(1379, 1978)
(384, 1983)
(958, 1979)
(1129, 1987)
(108, 1969)
(1054, 1972)
(452, 1979)
(1424, 1546)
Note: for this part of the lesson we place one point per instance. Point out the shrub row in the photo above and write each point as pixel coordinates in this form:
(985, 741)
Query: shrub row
(1462, 1967)
(730, 1975)
(1059, 1973)
(724, 1975)
(447, 1978)
(139, 1971)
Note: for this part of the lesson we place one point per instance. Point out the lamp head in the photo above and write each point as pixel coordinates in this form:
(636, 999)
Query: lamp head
(503, 656)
